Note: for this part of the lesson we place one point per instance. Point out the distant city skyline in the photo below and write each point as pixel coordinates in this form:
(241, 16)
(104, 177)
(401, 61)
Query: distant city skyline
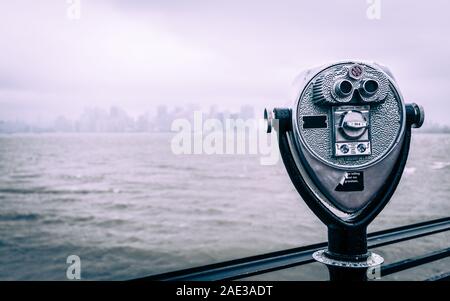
(117, 120)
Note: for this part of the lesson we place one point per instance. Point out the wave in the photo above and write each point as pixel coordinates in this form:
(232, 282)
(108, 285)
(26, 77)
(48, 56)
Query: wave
(439, 165)
(19, 217)
(409, 171)
(25, 176)
(52, 191)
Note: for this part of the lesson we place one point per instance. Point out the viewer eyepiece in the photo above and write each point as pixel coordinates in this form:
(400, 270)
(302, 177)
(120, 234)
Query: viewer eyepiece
(369, 87)
(343, 88)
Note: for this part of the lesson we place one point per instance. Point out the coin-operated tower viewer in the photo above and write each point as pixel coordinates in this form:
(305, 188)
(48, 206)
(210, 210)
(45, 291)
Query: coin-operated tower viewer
(344, 144)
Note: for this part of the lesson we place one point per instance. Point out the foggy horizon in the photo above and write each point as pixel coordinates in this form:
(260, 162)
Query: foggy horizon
(138, 55)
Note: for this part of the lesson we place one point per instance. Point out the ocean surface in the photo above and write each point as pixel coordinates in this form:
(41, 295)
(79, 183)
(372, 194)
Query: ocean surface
(129, 207)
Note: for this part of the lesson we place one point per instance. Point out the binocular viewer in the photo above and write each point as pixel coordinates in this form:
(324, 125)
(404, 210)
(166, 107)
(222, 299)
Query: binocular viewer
(345, 144)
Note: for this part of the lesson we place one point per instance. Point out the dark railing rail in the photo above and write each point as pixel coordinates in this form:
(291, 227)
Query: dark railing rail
(414, 262)
(261, 264)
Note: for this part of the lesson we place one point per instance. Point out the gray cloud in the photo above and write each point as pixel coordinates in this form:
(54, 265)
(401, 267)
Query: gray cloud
(141, 53)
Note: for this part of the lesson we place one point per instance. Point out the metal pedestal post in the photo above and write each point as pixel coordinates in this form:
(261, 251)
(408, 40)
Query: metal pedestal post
(347, 257)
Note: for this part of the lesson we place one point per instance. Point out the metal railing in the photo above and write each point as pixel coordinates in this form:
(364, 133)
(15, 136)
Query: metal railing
(261, 264)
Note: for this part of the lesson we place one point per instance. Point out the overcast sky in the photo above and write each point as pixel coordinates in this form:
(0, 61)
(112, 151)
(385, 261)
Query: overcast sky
(138, 54)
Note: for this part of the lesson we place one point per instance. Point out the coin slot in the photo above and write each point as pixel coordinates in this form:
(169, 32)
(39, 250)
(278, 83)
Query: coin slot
(315, 122)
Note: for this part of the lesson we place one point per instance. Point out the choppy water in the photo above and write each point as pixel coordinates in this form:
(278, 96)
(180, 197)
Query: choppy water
(130, 208)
